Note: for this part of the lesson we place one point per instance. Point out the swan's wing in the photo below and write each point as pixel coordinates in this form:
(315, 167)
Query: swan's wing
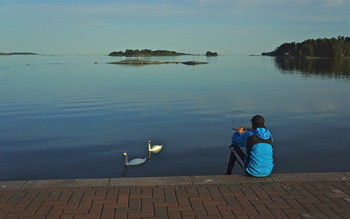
(156, 148)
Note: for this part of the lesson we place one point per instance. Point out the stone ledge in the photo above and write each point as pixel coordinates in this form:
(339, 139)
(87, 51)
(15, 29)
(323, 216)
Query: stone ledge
(174, 180)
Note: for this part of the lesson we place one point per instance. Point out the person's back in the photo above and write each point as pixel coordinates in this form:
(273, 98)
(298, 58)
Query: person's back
(260, 153)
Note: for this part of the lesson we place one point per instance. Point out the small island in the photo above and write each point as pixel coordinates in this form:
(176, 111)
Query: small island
(147, 62)
(145, 52)
(319, 48)
(209, 53)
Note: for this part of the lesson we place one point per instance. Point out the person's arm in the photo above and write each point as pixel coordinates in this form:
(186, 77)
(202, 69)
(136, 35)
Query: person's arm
(239, 137)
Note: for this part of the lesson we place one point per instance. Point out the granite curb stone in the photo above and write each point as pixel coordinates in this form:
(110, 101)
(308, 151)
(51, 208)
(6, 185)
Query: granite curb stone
(174, 180)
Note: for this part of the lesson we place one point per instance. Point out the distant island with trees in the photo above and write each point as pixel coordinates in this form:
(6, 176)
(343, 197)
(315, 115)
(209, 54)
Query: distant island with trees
(147, 52)
(17, 53)
(322, 48)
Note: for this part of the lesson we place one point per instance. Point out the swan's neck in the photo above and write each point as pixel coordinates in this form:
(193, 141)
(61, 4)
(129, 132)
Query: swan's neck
(149, 145)
(126, 159)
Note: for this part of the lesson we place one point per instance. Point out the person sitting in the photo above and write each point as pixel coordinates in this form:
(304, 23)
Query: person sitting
(258, 160)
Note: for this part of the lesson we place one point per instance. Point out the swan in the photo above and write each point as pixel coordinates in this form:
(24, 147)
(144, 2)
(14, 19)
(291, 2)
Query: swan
(154, 148)
(134, 162)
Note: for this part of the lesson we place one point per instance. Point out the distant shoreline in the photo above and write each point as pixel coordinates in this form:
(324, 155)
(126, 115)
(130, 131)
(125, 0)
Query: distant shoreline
(310, 57)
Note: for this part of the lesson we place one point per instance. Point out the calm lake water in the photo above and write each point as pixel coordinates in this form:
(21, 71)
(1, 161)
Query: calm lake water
(67, 117)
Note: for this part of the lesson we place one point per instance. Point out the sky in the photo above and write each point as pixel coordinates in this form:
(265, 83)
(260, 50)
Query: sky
(229, 27)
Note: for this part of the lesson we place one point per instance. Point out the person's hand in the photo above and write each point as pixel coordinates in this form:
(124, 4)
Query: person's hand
(240, 129)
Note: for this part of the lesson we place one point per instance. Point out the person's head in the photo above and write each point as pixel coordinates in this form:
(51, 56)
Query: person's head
(258, 122)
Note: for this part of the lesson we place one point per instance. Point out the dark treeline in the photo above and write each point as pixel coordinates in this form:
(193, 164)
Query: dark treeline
(333, 47)
(145, 52)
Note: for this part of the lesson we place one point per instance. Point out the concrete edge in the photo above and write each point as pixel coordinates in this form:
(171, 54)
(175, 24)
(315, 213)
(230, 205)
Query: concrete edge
(174, 180)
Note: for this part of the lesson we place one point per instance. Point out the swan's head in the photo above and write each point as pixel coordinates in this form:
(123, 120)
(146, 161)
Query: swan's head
(149, 141)
(124, 154)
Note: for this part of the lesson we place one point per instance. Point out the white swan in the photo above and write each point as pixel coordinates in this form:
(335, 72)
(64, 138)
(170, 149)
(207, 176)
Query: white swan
(154, 148)
(133, 162)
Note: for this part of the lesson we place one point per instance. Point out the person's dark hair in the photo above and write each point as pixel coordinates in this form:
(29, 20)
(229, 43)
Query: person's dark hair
(258, 122)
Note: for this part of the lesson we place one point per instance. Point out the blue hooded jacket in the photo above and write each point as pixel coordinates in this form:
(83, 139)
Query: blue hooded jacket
(259, 156)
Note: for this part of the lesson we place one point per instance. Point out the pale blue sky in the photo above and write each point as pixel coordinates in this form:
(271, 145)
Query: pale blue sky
(193, 26)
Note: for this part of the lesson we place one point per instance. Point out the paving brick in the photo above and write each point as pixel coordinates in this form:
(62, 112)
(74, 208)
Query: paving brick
(121, 215)
(191, 189)
(170, 197)
(314, 215)
(211, 210)
(96, 209)
(65, 216)
(245, 204)
(294, 216)
(33, 206)
(147, 207)
(326, 199)
(20, 213)
(278, 213)
(158, 192)
(108, 213)
(295, 211)
(242, 216)
(88, 216)
(135, 205)
(200, 199)
(231, 200)
(311, 208)
(43, 210)
(139, 214)
(265, 216)
(54, 213)
(183, 201)
(84, 204)
(123, 199)
(293, 203)
(160, 211)
(244, 212)
(262, 209)
(245, 188)
(174, 214)
(228, 207)
(166, 204)
(75, 211)
(179, 208)
(197, 206)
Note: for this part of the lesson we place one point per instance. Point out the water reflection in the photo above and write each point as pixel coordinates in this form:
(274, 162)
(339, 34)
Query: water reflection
(330, 68)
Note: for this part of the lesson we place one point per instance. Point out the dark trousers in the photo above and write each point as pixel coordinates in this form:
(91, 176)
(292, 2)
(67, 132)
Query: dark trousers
(235, 153)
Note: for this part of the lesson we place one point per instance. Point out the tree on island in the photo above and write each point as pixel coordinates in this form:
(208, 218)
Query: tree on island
(333, 47)
(211, 53)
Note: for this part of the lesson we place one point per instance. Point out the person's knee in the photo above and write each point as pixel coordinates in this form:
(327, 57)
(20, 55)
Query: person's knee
(234, 146)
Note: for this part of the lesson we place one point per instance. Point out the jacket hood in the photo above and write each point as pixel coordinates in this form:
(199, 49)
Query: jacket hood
(262, 133)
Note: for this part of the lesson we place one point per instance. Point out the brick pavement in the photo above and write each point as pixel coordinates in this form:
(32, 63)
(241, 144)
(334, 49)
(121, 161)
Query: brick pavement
(318, 195)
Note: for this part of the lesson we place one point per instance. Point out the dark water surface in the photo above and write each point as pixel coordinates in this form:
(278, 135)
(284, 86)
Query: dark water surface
(66, 117)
